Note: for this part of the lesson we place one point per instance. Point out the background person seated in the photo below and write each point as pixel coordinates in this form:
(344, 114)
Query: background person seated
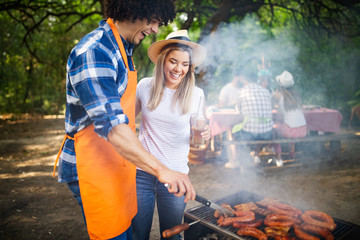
(230, 92)
(254, 103)
(289, 103)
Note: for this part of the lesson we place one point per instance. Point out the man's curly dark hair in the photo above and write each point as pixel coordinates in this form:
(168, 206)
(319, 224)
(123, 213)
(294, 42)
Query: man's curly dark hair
(122, 10)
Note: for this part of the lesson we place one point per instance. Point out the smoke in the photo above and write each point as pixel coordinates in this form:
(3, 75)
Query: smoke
(242, 45)
(325, 70)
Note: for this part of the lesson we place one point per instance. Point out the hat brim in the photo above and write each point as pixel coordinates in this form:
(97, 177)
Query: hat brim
(198, 57)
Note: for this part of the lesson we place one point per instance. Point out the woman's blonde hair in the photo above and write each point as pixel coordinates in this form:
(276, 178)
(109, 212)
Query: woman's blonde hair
(292, 100)
(184, 92)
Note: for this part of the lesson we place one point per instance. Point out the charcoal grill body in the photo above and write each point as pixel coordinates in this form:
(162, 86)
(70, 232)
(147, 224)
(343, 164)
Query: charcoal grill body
(208, 223)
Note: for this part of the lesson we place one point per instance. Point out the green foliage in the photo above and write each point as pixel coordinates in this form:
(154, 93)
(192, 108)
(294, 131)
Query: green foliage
(239, 47)
(326, 69)
(33, 61)
(317, 41)
(355, 101)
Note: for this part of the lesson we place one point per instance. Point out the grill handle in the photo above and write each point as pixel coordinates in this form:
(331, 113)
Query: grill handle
(202, 200)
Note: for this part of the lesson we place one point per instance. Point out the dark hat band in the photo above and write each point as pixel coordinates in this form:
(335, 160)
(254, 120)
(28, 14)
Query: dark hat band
(181, 38)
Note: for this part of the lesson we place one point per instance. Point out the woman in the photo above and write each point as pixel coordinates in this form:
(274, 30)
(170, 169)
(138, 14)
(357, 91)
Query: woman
(289, 102)
(167, 101)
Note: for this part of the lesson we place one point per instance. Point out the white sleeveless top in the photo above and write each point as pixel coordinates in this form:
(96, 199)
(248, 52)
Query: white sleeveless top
(165, 132)
(294, 118)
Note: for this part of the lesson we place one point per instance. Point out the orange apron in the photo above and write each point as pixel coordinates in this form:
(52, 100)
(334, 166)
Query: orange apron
(107, 181)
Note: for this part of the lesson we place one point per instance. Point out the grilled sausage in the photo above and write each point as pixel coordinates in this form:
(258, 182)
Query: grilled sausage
(227, 221)
(244, 216)
(281, 220)
(302, 234)
(319, 219)
(322, 232)
(253, 224)
(217, 213)
(283, 208)
(253, 232)
(249, 206)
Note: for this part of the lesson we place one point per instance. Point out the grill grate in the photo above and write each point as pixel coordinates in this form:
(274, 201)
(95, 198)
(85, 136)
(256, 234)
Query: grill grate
(205, 215)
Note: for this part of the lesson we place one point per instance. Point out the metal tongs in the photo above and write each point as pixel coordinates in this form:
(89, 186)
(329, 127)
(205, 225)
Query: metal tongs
(183, 227)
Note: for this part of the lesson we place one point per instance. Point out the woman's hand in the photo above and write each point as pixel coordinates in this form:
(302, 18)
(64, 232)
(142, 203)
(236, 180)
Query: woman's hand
(206, 134)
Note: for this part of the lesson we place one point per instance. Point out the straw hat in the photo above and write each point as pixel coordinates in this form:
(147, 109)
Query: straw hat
(285, 80)
(182, 37)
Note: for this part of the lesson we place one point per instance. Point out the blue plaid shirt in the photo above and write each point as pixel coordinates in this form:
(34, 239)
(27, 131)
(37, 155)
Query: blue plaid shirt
(95, 82)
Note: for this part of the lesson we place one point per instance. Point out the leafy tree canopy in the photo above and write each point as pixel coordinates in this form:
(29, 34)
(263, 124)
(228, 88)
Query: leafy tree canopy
(318, 41)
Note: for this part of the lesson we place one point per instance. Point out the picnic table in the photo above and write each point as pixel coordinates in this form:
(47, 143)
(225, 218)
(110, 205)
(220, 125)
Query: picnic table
(318, 119)
(323, 125)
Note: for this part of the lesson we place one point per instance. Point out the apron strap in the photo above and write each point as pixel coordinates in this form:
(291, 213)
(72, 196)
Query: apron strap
(129, 104)
(118, 40)
(62, 145)
(239, 126)
(236, 128)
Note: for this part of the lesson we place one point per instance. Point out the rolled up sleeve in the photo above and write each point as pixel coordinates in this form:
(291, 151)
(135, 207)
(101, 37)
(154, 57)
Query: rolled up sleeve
(99, 87)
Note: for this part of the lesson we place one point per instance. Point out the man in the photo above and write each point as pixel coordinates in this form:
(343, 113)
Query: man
(100, 151)
(230, 92)
(254, 103)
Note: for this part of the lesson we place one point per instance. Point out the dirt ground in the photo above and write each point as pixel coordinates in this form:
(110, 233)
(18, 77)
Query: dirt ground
(33, 205)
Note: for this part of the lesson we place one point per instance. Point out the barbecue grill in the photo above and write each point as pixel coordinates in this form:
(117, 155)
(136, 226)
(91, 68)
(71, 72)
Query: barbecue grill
(208, 223)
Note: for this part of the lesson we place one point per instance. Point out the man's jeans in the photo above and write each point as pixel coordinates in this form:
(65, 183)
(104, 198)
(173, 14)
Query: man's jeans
(170, 208)
(75, 189)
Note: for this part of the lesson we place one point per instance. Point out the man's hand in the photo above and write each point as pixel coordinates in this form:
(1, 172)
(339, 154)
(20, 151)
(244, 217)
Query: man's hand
(179, 183)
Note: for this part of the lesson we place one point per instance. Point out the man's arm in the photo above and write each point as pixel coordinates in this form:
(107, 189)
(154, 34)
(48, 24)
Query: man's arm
(127, 145)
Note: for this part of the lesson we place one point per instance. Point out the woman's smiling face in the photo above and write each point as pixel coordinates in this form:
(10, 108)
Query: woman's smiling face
(176, 66)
